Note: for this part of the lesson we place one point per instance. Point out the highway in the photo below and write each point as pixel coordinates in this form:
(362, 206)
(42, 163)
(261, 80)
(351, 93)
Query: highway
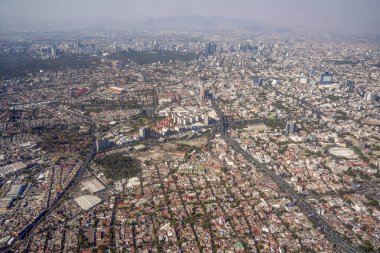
(308, 210)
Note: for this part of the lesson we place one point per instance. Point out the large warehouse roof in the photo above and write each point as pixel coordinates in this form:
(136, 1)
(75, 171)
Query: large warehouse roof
(11, 168)
(87, 202)
(93, 185)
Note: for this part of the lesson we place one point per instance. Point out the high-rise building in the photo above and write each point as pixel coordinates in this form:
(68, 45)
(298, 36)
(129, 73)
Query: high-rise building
(350, 85)
(143, 132)
(326, 78)
(103, 144)
(210, 48)
(258, 81)
(202, 93)
(150, 112)
(361, 91)
(290, 127)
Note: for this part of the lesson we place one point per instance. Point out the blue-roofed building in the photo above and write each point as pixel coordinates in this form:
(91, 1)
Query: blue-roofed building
(15, 191)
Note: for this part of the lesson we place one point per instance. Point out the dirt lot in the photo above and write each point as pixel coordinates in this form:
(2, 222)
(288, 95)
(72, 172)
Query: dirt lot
(156, 155)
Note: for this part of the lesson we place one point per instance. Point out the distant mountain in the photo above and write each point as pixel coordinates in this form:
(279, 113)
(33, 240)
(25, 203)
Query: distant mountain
(26, 24)
(200, 23)
(12, 23)
(182, 23)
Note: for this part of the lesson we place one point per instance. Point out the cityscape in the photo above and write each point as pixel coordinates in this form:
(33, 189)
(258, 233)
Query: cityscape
(188, 134)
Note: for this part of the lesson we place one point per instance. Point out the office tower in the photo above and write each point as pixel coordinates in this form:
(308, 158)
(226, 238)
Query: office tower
(361, 91)
(103, 144)
(150, 112)
(326, 79)
(311, 72)
(350, 85)
(210, 48)
(143, 132)
(202, 94)
(258, 81)
(213, 48)
(290, 127)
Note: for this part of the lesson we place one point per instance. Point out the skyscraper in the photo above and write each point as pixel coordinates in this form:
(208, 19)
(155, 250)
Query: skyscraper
(350, 85)
(202, 94)
(143, 132)
(210, 48)
(290, 127)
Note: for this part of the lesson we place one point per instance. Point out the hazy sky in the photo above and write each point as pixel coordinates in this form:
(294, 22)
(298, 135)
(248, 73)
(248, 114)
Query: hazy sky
(339, 15)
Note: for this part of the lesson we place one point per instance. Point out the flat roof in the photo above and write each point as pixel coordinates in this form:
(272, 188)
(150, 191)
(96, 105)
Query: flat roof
(93, 185)
(139, 147)
(18, 166)
(343, 152)
(10, 168)
(5, 202)
(15, 190)
(87, 202)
